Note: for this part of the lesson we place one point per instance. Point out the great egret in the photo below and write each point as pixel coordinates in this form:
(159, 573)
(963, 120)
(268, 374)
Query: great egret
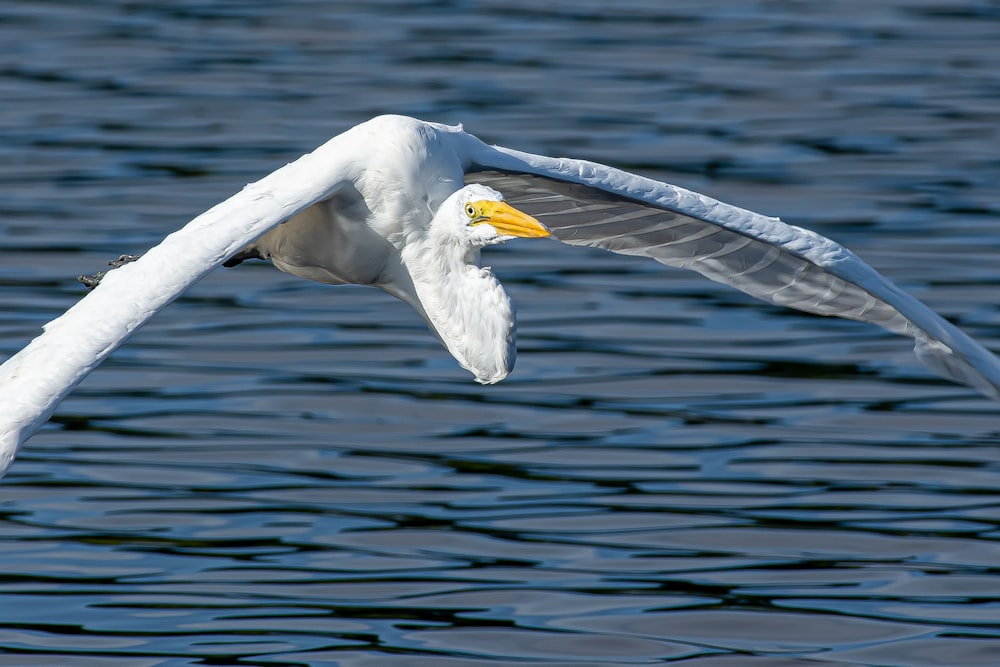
(406, 205)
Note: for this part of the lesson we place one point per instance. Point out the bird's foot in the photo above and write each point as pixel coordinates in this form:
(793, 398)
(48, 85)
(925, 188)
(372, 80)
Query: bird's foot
(93, 280)
(123, 260)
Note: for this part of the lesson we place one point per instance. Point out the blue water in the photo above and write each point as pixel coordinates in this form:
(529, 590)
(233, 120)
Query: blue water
(275, 472)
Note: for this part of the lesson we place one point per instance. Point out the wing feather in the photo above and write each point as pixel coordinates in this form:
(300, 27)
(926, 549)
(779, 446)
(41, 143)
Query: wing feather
(36, 379)
(583, 203)
(589, 204)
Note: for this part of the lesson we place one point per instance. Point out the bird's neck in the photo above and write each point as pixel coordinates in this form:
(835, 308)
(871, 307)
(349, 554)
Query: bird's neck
(466, 307)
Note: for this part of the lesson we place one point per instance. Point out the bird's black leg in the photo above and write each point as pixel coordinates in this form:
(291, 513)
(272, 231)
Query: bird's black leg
(242, 256)
(94, 280)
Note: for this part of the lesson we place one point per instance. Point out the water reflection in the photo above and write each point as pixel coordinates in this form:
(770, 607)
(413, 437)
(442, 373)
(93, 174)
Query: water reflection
(276, 472)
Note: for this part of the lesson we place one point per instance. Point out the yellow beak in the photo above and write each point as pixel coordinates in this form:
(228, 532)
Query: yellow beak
(508, 220)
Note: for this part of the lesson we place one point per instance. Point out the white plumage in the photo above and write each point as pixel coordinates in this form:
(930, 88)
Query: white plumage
(406, 206)
(425, 252)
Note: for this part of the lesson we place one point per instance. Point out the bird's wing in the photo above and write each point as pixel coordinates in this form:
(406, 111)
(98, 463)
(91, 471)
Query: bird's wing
(34, 380)
(589, 204)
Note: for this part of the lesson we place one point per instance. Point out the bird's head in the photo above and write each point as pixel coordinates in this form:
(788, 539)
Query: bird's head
(479, 216)
(465, 304)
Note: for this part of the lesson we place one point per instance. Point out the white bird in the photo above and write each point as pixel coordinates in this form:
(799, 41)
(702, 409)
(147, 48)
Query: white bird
(406, 205)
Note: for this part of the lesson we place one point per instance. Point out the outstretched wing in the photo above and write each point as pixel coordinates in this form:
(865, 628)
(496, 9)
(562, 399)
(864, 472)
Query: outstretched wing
(37, 378)
(583, 203)
(589, 204)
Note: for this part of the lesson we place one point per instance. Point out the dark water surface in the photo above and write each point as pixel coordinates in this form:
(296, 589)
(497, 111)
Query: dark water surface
(275, 472)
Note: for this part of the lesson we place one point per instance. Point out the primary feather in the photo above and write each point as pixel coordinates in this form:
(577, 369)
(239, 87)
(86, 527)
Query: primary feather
(385, 204)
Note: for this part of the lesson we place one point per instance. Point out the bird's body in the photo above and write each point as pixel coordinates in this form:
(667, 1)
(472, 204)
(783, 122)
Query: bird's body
(423, 250)
(406, 206)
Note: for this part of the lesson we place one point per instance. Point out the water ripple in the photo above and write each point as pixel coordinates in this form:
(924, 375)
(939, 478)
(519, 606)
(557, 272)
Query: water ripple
(279, 473)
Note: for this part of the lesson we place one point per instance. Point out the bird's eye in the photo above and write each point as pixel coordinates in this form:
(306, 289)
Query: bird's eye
(470, 210)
